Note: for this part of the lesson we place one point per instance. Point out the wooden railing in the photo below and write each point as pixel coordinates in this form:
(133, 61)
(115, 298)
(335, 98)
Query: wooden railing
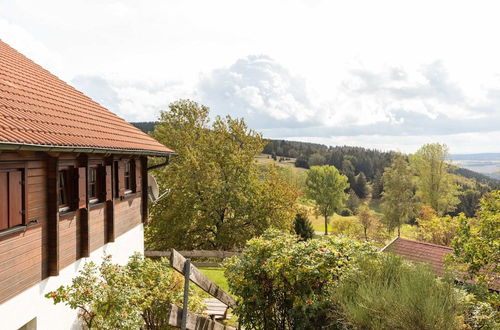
(181, 317)
(209, 254)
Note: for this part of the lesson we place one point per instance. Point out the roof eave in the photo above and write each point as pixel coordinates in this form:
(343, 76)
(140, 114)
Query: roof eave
(93, 150)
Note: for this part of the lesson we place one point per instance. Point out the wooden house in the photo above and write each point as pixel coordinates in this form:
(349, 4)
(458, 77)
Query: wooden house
(73, 187)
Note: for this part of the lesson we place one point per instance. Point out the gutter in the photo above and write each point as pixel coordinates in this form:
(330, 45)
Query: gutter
(165, 163)
(35, 147)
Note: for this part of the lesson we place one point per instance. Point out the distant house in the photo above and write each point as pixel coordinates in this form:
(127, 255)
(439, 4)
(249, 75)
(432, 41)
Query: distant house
(73, 186)
(428, 253)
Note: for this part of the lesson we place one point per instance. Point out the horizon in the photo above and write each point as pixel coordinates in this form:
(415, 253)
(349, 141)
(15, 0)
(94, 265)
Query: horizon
(359, 74)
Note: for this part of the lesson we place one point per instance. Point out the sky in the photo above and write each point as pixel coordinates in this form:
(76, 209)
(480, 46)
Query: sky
(391, 75)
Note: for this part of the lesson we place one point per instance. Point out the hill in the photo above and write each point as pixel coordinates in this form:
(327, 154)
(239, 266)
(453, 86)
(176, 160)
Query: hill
(351, 160)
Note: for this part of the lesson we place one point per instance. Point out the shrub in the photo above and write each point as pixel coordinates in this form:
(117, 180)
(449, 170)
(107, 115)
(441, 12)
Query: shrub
(303, 226)
(438, 230)
(346, 212)
(285, 284)
(388, 293)
(134, 296)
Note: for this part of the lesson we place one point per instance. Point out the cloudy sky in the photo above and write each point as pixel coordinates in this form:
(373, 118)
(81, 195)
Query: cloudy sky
(381, 74)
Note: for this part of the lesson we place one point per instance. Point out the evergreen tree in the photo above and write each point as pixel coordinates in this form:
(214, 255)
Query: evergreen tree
(303, 226)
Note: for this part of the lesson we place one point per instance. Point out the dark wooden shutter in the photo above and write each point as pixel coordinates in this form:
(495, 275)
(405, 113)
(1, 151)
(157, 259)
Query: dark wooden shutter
(121, 178)
(82, 187)
(4, 202)
(15, 198)
(138, 175)
(108, 183)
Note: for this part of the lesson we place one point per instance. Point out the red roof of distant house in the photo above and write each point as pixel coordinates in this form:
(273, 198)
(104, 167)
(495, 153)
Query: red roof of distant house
(425, 252)
(38, 109)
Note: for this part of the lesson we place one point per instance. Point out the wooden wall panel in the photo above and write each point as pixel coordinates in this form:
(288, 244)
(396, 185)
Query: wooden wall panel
(97, 227)
(127, 214)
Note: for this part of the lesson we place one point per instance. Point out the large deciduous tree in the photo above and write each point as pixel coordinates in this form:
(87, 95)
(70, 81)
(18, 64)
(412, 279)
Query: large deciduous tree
(435, 186)
(398, 203)
(218, 196)
(326, 186)
(477, 244)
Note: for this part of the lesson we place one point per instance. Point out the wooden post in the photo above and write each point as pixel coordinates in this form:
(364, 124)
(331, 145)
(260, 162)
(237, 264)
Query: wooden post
(110, 204)
(83, 205)
(52, 216)
(187, 271)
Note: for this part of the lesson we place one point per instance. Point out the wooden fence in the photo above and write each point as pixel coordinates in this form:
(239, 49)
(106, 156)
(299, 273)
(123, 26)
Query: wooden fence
(209, 254)
(181, 317)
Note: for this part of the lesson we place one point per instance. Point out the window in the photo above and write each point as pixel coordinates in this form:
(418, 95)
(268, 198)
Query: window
(96, 184)
(128, 177)
(63, 191)
(11, 198)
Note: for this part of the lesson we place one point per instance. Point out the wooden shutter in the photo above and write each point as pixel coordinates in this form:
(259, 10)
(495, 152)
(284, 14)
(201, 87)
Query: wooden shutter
(138, 175)
(4, 202)
(108, 183)
(82, 187)
(121, 178)
(15, 198)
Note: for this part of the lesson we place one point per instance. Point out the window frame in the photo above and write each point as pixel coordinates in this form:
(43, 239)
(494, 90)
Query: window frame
(66, 189)
(96, 184)
(129, 177)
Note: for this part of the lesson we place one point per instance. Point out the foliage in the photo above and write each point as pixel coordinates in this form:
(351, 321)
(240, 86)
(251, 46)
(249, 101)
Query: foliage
(218, 196)
(353, 201)
(398, 196)
(325, 186)
(316, 159)
(281, 283)
(439, 230)
(133, 296)
(366, 218)
(469, 202)
(361, 187)
(477, 314)
(388, 293)
(303, 226)
(346, 212)
(476, 248)
(435, 185)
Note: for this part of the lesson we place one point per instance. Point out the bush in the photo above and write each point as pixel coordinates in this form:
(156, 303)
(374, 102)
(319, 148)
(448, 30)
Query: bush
(284, 284)
(346, 213)
(303, 226)
(388, 293)
(134, 296)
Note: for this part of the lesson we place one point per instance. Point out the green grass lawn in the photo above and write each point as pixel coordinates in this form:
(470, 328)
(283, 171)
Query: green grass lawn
(216, 275)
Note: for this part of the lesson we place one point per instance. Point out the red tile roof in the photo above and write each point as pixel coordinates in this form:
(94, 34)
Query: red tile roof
(425, 252)
(420, 252)
(39, 109)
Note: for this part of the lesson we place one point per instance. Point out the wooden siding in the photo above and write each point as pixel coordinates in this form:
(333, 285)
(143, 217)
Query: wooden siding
(24, 256)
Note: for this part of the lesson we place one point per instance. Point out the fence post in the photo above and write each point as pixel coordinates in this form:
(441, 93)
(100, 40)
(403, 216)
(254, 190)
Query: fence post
(187, 271)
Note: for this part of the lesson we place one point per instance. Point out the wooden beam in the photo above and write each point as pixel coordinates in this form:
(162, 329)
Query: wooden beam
(194, 322)
(83, 211)
(177, 262)
(144, 190)
(52, 216)
(110, 203)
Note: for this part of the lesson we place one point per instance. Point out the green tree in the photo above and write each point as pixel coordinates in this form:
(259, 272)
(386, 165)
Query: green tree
(361, 186)
(326, 186)
(303, 226)
(476, 248)
(317, 159)
(435, 186)
(353, 201)
(218, 196)
(398, 203)
(284, 284)
(366, 218)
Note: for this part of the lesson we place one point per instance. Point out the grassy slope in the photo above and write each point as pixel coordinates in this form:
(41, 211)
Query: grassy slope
(216, 275)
